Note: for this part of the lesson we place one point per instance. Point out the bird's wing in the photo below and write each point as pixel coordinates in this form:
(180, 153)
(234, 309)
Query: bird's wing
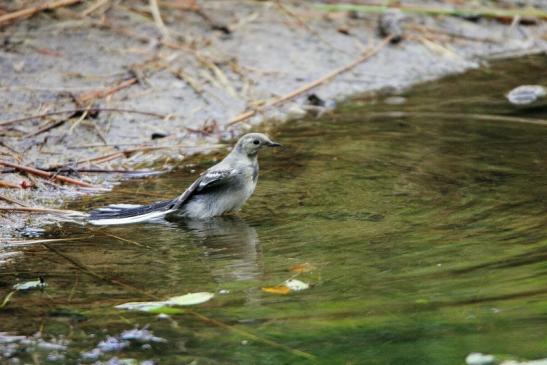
(209, 179)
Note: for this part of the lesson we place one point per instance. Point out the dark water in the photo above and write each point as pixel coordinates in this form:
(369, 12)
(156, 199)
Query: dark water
(426, 235)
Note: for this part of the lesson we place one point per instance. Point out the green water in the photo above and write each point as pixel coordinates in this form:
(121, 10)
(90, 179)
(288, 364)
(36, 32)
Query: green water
(427, 239)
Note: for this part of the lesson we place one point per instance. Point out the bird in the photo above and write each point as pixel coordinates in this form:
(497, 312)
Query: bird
(221, 189)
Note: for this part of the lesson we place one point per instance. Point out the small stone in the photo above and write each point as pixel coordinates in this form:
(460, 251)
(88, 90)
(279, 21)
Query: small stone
(389, 24)
(476, 358)
(526, 94)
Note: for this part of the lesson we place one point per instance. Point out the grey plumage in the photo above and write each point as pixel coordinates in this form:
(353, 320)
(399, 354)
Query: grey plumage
(223, 188)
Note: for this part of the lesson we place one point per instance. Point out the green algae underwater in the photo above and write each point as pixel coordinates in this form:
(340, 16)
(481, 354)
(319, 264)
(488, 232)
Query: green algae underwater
(422, 233)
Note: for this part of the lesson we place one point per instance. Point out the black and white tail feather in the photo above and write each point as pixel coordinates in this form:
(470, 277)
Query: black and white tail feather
(131, 213)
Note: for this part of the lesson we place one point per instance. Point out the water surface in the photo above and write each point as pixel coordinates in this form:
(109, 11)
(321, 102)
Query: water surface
(426, 236)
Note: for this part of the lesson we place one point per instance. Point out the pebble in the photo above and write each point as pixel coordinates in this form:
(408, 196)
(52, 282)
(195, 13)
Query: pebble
(526, 94)
(476, 358)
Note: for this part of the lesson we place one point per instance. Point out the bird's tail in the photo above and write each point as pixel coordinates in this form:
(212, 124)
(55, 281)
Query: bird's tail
(129, 213)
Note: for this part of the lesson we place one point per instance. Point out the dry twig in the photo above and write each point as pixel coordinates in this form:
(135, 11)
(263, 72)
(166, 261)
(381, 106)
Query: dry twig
(12, 201)
(8, 185)
(155, 10)
(89, 96)
(82, 110)
(45, 240)
(23, 13)
(94, 7)
(46, 175)
(42, 210)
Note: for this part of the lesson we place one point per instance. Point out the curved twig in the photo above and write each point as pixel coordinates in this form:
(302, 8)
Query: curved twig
(82, 110)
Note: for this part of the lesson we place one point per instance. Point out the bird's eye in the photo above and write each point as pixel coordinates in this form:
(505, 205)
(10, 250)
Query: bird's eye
(256, 141)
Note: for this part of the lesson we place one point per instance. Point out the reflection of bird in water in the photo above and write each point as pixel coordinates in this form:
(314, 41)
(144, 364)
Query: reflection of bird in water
(233, 246)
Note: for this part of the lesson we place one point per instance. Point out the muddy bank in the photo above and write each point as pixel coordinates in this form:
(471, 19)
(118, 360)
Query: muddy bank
(196, 74)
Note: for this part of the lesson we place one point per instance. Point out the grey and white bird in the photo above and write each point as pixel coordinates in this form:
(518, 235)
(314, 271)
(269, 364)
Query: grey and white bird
(223, 188)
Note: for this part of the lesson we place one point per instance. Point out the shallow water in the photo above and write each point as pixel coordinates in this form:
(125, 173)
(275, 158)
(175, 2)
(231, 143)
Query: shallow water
(424, 237)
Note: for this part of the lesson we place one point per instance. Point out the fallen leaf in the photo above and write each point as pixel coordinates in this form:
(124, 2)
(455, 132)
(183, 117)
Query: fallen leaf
(141, 306)
(283, 290)
(35, 284)
(187, 299)
(303, 267)
(190, 299)
(296, 285)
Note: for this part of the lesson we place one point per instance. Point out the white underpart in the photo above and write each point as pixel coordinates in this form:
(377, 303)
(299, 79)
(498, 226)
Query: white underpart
(148, 217)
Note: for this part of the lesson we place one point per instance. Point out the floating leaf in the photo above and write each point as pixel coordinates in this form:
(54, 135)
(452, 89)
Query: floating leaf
(277, 290)
(303, 267)
(296, 285)
(35, 284)
(187, 299)
(191, 299)
(141, 306)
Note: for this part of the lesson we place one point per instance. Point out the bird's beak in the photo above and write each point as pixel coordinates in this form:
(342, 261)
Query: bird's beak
(273, 144)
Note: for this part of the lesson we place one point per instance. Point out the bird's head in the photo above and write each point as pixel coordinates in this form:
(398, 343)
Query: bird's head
(251, 143)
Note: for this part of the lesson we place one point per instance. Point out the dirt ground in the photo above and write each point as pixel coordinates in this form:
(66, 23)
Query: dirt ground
(196, 69)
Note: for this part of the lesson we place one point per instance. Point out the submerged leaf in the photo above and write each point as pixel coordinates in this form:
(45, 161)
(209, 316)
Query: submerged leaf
(277, 290)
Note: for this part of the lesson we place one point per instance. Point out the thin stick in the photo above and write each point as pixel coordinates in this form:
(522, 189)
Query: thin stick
(35, 9)
(46, 175)
(371, 52)
(114, 171)
(81, 110)
(128, 152)
(48, 127)
(12, 201)
(109, 157)
(7, 299)
(8, 185)
(103, 93)
(46, 240)
(155, 10)
(94, 7)
(435, 10)
(125, 240)
(42, 210)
